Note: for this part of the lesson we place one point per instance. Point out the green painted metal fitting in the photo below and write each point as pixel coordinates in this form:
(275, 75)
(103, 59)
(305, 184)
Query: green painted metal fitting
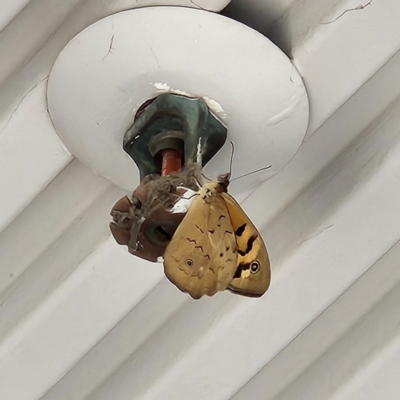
(173, 121)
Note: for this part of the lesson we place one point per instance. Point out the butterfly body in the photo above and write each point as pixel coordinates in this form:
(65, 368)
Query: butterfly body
(216, 247)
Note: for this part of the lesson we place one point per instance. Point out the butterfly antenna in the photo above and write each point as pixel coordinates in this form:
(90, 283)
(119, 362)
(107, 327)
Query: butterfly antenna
(252, 172)
(188, 198)
(230, 163)
(197, 181)
(204, 176)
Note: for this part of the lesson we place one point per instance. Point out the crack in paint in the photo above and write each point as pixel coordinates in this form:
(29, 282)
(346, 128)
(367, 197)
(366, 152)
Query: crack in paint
(110, 48)
(316, 234)
(19, 104)
(360, 7)
(152, 52)
(111, 44)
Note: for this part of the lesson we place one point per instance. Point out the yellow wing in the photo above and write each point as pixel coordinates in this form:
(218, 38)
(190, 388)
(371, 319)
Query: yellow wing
(202, 255)
(253, 273)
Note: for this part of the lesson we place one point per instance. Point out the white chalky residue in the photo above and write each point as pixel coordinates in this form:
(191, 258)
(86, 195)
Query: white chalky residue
(162, 86)
(215, 107)
(165, 88)
(199, 158)
(183, 204)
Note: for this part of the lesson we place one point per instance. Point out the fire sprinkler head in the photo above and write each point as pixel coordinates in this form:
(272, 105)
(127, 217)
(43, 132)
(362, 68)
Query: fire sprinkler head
(111, 68)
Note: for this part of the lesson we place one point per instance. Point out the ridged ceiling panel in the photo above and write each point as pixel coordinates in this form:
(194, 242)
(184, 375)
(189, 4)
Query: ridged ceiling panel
(80, 318)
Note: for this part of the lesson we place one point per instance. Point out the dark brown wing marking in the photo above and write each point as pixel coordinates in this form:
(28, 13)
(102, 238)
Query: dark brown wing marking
(219, 219)
(239, 231)
(240, 269)
(250, 242)
(198, 247)
(201, 230)
(249, 245)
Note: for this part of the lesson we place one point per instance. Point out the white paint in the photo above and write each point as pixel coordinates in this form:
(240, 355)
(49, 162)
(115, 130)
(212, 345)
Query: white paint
(165, 88)
(343, 348)
(9, 9)
(31, 155)
(329, 326)
(259, 14)
(93, 91)
(213, 105)
(94, 281)
(162, 87)
(309, 275)
(355, 45)
(183, 204)
(40, 40)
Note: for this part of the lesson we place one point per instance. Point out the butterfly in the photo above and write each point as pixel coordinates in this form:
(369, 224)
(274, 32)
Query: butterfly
(216, 247)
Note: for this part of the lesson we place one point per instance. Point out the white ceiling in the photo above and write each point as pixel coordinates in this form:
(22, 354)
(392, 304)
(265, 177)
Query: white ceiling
(80, 318)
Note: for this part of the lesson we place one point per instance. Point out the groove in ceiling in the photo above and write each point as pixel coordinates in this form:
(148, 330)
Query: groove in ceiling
(80, 318)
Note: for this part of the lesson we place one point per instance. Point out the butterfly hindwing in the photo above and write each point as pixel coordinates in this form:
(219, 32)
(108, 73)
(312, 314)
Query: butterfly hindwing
(202, 255)
(253, 273)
